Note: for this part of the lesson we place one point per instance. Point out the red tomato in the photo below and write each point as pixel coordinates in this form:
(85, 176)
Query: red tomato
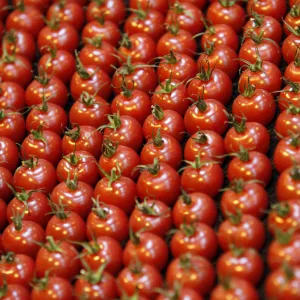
(244, 263)
(202, 176)
(57, 258)
(289, 95)
(180, 66)
(85, 138)
(147, 248)
(5, 177)
(197, 239)
(168, 121)
(194, 207)
(152, 216)
(35, 174)
(180, 292)
(78, 163)
(158, 181)
(243, 231)
(41, 5)
(207, 115)
(102, 250)
(59, 63)
(107, 220)
(290, 45)
(247, 197)
(9, 154)
(17, 268)
(14, 291)
(161, 5)
(292, 18)
(288, 122)
(288, 184)
(11, 95)
(275, 9)
(144, 278)
(193, 272)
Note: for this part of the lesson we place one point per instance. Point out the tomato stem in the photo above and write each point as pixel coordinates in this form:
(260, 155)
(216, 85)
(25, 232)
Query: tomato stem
(157, 112)
(205, 71)
(201, 138)
(38, 134)
(17, 219)
(187, 200)
(134, 237)
(109, 148)
(93, 277)
(282, 209)
(74, 135)
(237, 251)
(188, 229)
(284, 238)
(82, 72)
(209, 48)
(153, 169)
(9, 257)
(157, 139)
(3, 289)
(146, 209)
(170, 58)
(125, 41)
(236, 218)
(243, 155)
(237, 185)
(30, 163)
(59, 210)
(114, 122)
(168, 87)
(295, 172)
(41, 283)
(288, 271)
(98, 210)
(249, 89)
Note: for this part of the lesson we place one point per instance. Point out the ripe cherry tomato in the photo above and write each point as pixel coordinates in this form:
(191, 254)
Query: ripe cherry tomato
(8, 154)
(292, 18)
(290, 45)
(14, 291)
(39, 4)
(11, 95)
(5, 177)
(289, 95)
(288, 121)
(180, 292)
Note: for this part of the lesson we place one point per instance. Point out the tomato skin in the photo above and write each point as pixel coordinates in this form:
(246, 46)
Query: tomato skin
(17, 268)
(247, 265)
(63, 263)
(249, 233)
(287, 187)
(147, 280)
(152, 216)
(292, 72)
(148, 249)
(23, 241)
(8, 154)
(76, 198)
(198, 275)
(16, 292)
(161, 5)
(11, 95)
(38, 174)
(211, 117)
(287, 122)
(5, 191)
(238, 288)
(59, 63)
(184, 293)
(289, 95)
(289, 47)
(202, 242)
(248, 197)
(38, 4)
(255, 137)
(107, 250)
(114, 223)
(56, 287)
(156, 186)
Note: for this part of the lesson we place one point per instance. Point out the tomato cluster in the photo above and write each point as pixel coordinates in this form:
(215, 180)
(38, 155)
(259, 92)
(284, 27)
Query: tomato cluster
(133, 167)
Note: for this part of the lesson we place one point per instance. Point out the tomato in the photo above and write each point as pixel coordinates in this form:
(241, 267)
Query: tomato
(290, 45)
(147, 248)
(75, 195)
(287, 152)
(114, 10)
(275, 9)
(5, 177)
(243, 231)
(171, 94)
(244, 263)
(57, 259)
(17, 268)
(149, 21)
(35, 174)
(116, 190)
(161, 5)
(102, 250)
(292, 18)
(247, 197)
(114, 155)
(33, 204)
(78, 163)
(284, 216)
(42, 143)
(107, 220)
(71, 13)
(170, 122)
(283, 283)
(39, 4)
(49, 287)
(191, 271)
(27, 18)
(124, 130)
(152, 182)
(152, 216)
(59, 63)
(85, 138)
(107, 30)
(202, 176)
(11, 95)
(288, 184)
(220, 34)
(15, 68)
(22, 237)
(207, 115)
(235, 288)
(142, 277)
(221, 57)
(197, 239)
(19, 42)
(187, 15)
(288, 122)
(225, 12)
(133, 103)
(249, 135)
(9, 153)
(289, 95)
(210, 83)
(14, 291)
(80, 2)
(44, 86)
(89, 110)
(181, 293)
(292, 70)
(99, 53)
